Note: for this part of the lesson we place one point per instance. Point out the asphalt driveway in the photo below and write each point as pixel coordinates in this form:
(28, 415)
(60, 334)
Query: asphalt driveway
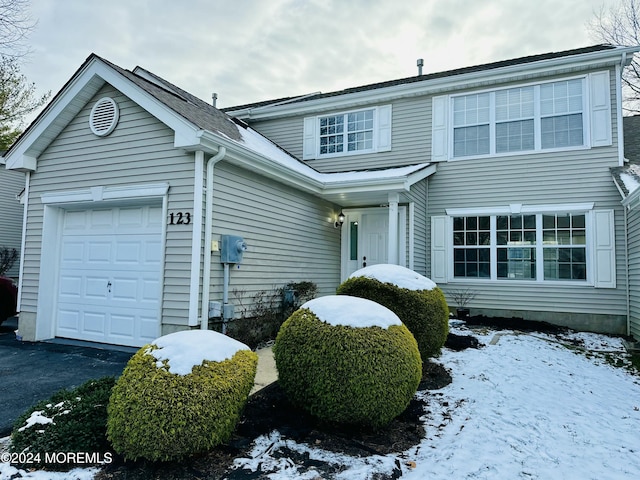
(30, 372)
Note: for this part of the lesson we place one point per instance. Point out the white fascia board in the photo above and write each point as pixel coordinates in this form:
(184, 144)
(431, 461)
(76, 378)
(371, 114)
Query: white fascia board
(250, 159)
(447, 83)
(313, 182)
(23, 156)
(185, 131)
(521, 209)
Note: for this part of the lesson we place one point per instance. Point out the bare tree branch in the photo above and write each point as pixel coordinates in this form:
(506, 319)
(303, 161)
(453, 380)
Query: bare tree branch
(15, 25)
(620, 25)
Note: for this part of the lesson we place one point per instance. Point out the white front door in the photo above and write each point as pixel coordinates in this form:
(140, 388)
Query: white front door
(373, 238)
(366, 238)
(109, 278)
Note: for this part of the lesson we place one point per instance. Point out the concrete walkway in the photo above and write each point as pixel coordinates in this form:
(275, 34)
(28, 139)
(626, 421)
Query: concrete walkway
(266, 373)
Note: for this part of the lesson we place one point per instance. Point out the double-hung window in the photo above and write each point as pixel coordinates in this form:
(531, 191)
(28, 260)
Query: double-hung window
(367, 130)
(349, 132)
(521, 119)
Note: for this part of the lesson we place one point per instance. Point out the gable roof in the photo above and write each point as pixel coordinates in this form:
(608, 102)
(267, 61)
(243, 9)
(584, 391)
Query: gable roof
(197, 126)
(442, 80)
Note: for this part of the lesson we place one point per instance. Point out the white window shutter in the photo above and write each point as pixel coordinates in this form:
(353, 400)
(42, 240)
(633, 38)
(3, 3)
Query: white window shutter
(309, 138)
(384, 128)
(439, 257)
(604, 249)
(600, 100)
(439, 128)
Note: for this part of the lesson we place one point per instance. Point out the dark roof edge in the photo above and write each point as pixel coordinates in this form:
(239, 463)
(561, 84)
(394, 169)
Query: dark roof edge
(429, 76)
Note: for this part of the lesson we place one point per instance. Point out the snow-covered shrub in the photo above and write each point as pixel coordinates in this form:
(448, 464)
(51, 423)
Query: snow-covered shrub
(348, 360)
(70, 421)
(180, 395)
(418, 302)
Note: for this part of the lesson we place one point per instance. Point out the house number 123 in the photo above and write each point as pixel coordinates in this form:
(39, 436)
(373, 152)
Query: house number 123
(180, 218)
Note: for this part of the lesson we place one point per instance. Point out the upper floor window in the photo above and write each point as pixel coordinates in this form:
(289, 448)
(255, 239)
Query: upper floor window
(348, 133)
(529, 118)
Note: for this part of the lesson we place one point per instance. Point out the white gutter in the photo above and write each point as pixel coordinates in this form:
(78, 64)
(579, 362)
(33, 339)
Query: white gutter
(208, 223)
(23, 242)
(434, 85)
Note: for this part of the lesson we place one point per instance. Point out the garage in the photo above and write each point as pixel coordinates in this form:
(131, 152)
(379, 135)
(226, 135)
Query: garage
(109, 286)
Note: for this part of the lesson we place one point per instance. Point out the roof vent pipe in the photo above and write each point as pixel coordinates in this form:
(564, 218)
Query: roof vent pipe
(214, 98)
(420, 64)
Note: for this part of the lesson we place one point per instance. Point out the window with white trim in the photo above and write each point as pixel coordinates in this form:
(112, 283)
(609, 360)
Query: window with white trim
(507, 247)
(520, 119)
(347, 133)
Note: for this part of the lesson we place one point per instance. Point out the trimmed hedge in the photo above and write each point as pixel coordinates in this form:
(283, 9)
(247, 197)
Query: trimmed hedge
(78, 424)
(365, 376)
(424, 312)
(162, 416)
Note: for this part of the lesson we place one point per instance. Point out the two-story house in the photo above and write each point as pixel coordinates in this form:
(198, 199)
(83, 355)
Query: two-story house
(494, 178)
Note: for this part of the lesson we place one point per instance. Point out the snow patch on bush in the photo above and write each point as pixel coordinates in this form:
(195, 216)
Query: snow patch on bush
(351, 312)
(187, 349)
(396, 275)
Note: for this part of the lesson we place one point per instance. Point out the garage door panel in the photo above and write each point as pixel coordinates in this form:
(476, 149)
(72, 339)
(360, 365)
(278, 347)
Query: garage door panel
(97, 288)
(68, 320)
(122, 326)
(70, 286)
(98, 252)
(94, 322)
(110, 270)
(73, 253)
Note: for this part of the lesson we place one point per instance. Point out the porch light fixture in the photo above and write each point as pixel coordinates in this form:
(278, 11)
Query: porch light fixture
(340, 220)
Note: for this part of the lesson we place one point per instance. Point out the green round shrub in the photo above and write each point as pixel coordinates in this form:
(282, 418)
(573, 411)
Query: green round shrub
(70, 421)
(417, 301)
(347, 360)
(181, 395)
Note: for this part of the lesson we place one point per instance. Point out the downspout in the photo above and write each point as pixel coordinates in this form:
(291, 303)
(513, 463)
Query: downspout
(626, 262)
(23, 241)
(620, 125)
(208, 223)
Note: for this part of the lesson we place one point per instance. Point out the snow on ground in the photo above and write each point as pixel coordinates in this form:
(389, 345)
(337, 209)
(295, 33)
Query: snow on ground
(525, 406)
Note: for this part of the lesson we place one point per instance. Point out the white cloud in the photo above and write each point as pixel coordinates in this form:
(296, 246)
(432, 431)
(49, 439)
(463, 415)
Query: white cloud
(251, 50)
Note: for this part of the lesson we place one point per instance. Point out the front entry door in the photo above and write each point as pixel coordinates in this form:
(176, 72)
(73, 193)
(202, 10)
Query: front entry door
(366, 238)
(373, 239)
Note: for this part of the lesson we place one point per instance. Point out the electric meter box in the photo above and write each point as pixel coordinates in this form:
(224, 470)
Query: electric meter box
(231, 248)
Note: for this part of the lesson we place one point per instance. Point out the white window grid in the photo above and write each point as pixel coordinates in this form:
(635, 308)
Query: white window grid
(528, 118)
(346, 132)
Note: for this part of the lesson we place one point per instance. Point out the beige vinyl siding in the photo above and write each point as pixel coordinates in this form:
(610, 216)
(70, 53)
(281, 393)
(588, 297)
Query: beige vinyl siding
(410, 132)
(571, 176)
(290, 235)
(558, 178)
(139, 151)
(11, 184)
(634, 272)
(418, 195)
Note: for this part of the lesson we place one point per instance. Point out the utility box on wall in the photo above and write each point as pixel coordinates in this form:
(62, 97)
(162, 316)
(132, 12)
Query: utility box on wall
(231, 248)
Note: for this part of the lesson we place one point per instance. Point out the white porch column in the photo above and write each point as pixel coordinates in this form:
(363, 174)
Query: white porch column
(392, 256)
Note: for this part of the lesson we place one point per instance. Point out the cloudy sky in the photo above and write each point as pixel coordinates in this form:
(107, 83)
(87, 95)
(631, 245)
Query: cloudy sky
(252, 50)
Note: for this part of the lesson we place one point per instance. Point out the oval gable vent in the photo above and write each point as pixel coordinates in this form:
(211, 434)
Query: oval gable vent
(104, 117)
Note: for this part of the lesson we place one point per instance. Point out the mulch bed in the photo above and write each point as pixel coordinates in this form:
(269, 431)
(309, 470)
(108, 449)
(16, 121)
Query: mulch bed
(269, 410)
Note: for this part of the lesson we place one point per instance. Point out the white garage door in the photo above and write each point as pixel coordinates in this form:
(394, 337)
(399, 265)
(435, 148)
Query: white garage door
(110, 270)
